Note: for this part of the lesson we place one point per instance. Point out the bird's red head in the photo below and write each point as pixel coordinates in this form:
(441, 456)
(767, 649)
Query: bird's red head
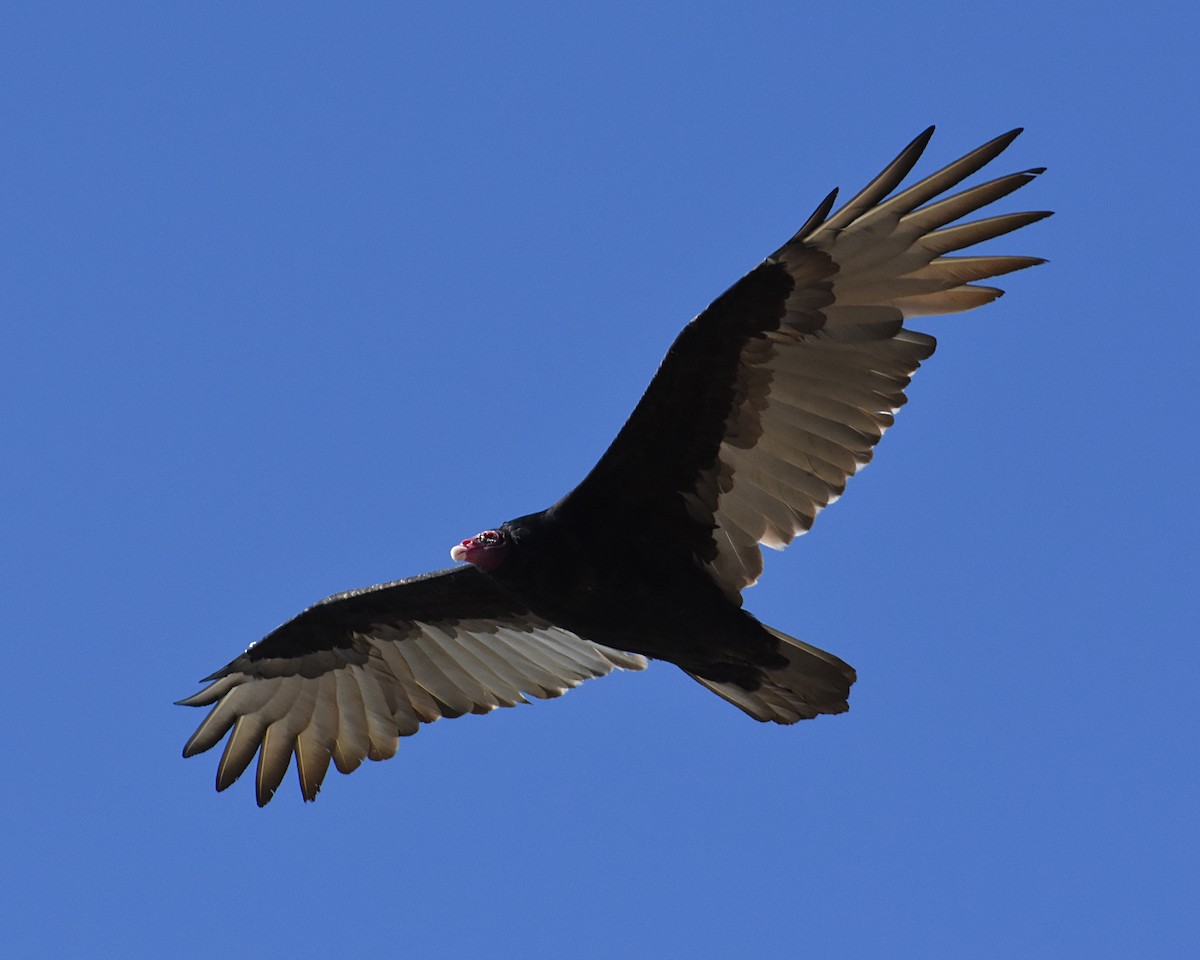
(485, 550)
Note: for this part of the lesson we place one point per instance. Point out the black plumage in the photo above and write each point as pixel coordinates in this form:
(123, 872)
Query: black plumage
(763, 407)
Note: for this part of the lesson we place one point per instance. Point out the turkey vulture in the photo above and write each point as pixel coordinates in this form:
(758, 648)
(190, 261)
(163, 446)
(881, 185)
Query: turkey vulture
(763, 406)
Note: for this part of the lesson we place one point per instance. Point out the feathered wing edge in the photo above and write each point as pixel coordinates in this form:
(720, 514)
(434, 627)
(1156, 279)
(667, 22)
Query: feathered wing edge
(352, 703)
(820, 391)
(891, 252)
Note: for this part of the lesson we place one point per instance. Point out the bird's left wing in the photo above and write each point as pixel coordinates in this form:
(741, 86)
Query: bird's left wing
(770, 399)
(348, 677)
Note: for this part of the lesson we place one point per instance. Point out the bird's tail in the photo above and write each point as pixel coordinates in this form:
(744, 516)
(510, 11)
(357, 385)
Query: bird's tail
(810, 683)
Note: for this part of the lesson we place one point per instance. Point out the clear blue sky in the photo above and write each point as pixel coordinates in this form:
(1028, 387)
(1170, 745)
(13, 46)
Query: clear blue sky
(296, 295)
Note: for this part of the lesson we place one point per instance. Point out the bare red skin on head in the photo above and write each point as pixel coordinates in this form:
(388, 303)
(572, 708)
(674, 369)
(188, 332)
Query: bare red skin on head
(485, 550)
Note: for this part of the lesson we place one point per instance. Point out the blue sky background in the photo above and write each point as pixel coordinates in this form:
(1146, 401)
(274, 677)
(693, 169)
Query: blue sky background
(294, 296)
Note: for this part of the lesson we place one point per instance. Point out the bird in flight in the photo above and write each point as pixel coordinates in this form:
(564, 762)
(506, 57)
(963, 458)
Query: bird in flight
(762, 408)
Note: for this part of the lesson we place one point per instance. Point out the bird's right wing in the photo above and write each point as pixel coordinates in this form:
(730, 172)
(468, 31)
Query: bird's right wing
(348, 677)
(777, 393)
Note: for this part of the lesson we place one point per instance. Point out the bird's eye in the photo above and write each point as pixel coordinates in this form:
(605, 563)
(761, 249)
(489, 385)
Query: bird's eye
(488, 536)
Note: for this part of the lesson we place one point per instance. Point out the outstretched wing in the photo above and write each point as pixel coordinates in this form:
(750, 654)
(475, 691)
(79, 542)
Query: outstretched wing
(778, 392)
(348, 677)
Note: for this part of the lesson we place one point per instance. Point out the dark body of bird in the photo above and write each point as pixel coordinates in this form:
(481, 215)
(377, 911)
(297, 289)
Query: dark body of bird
(763, 407)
